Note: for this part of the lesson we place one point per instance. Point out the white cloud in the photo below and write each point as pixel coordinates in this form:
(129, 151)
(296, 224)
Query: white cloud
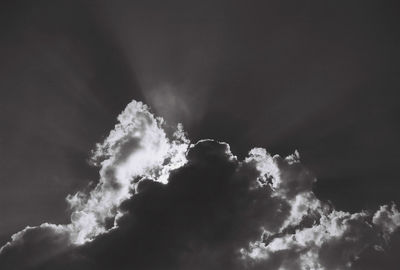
(331, 239)
(298, 230)
(388, 218)
(137, 147)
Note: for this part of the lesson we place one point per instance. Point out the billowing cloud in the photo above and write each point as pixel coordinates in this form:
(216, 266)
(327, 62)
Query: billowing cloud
(163, 203)
(137, 147)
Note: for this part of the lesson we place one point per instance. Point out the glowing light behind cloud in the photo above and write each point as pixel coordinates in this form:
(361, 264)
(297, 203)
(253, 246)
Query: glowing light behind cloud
(136, 147)
(291, 225)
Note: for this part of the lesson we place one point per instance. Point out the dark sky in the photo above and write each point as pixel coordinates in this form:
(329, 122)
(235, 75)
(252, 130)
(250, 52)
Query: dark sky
(317, 76)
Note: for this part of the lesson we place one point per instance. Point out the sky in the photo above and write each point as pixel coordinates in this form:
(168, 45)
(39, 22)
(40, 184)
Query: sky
(317, 77)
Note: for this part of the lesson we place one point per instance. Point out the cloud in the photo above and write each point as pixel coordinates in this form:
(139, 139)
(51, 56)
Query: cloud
(137, 147)
(33, 246)
(163, 203)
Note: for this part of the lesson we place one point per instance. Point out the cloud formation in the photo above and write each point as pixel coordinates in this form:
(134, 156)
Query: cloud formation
(137, 147)
(163, 203)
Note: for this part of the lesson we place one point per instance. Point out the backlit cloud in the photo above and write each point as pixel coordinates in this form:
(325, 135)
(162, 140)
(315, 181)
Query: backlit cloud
(163, 203)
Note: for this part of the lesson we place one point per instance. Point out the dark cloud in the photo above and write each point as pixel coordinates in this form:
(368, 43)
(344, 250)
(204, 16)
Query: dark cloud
(217, 212)
(199, 220)
(33, 247)
(373, 258)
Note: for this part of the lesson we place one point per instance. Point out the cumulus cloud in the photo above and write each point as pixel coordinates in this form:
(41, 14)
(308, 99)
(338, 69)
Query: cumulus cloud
(163, 203)
(137, 147)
